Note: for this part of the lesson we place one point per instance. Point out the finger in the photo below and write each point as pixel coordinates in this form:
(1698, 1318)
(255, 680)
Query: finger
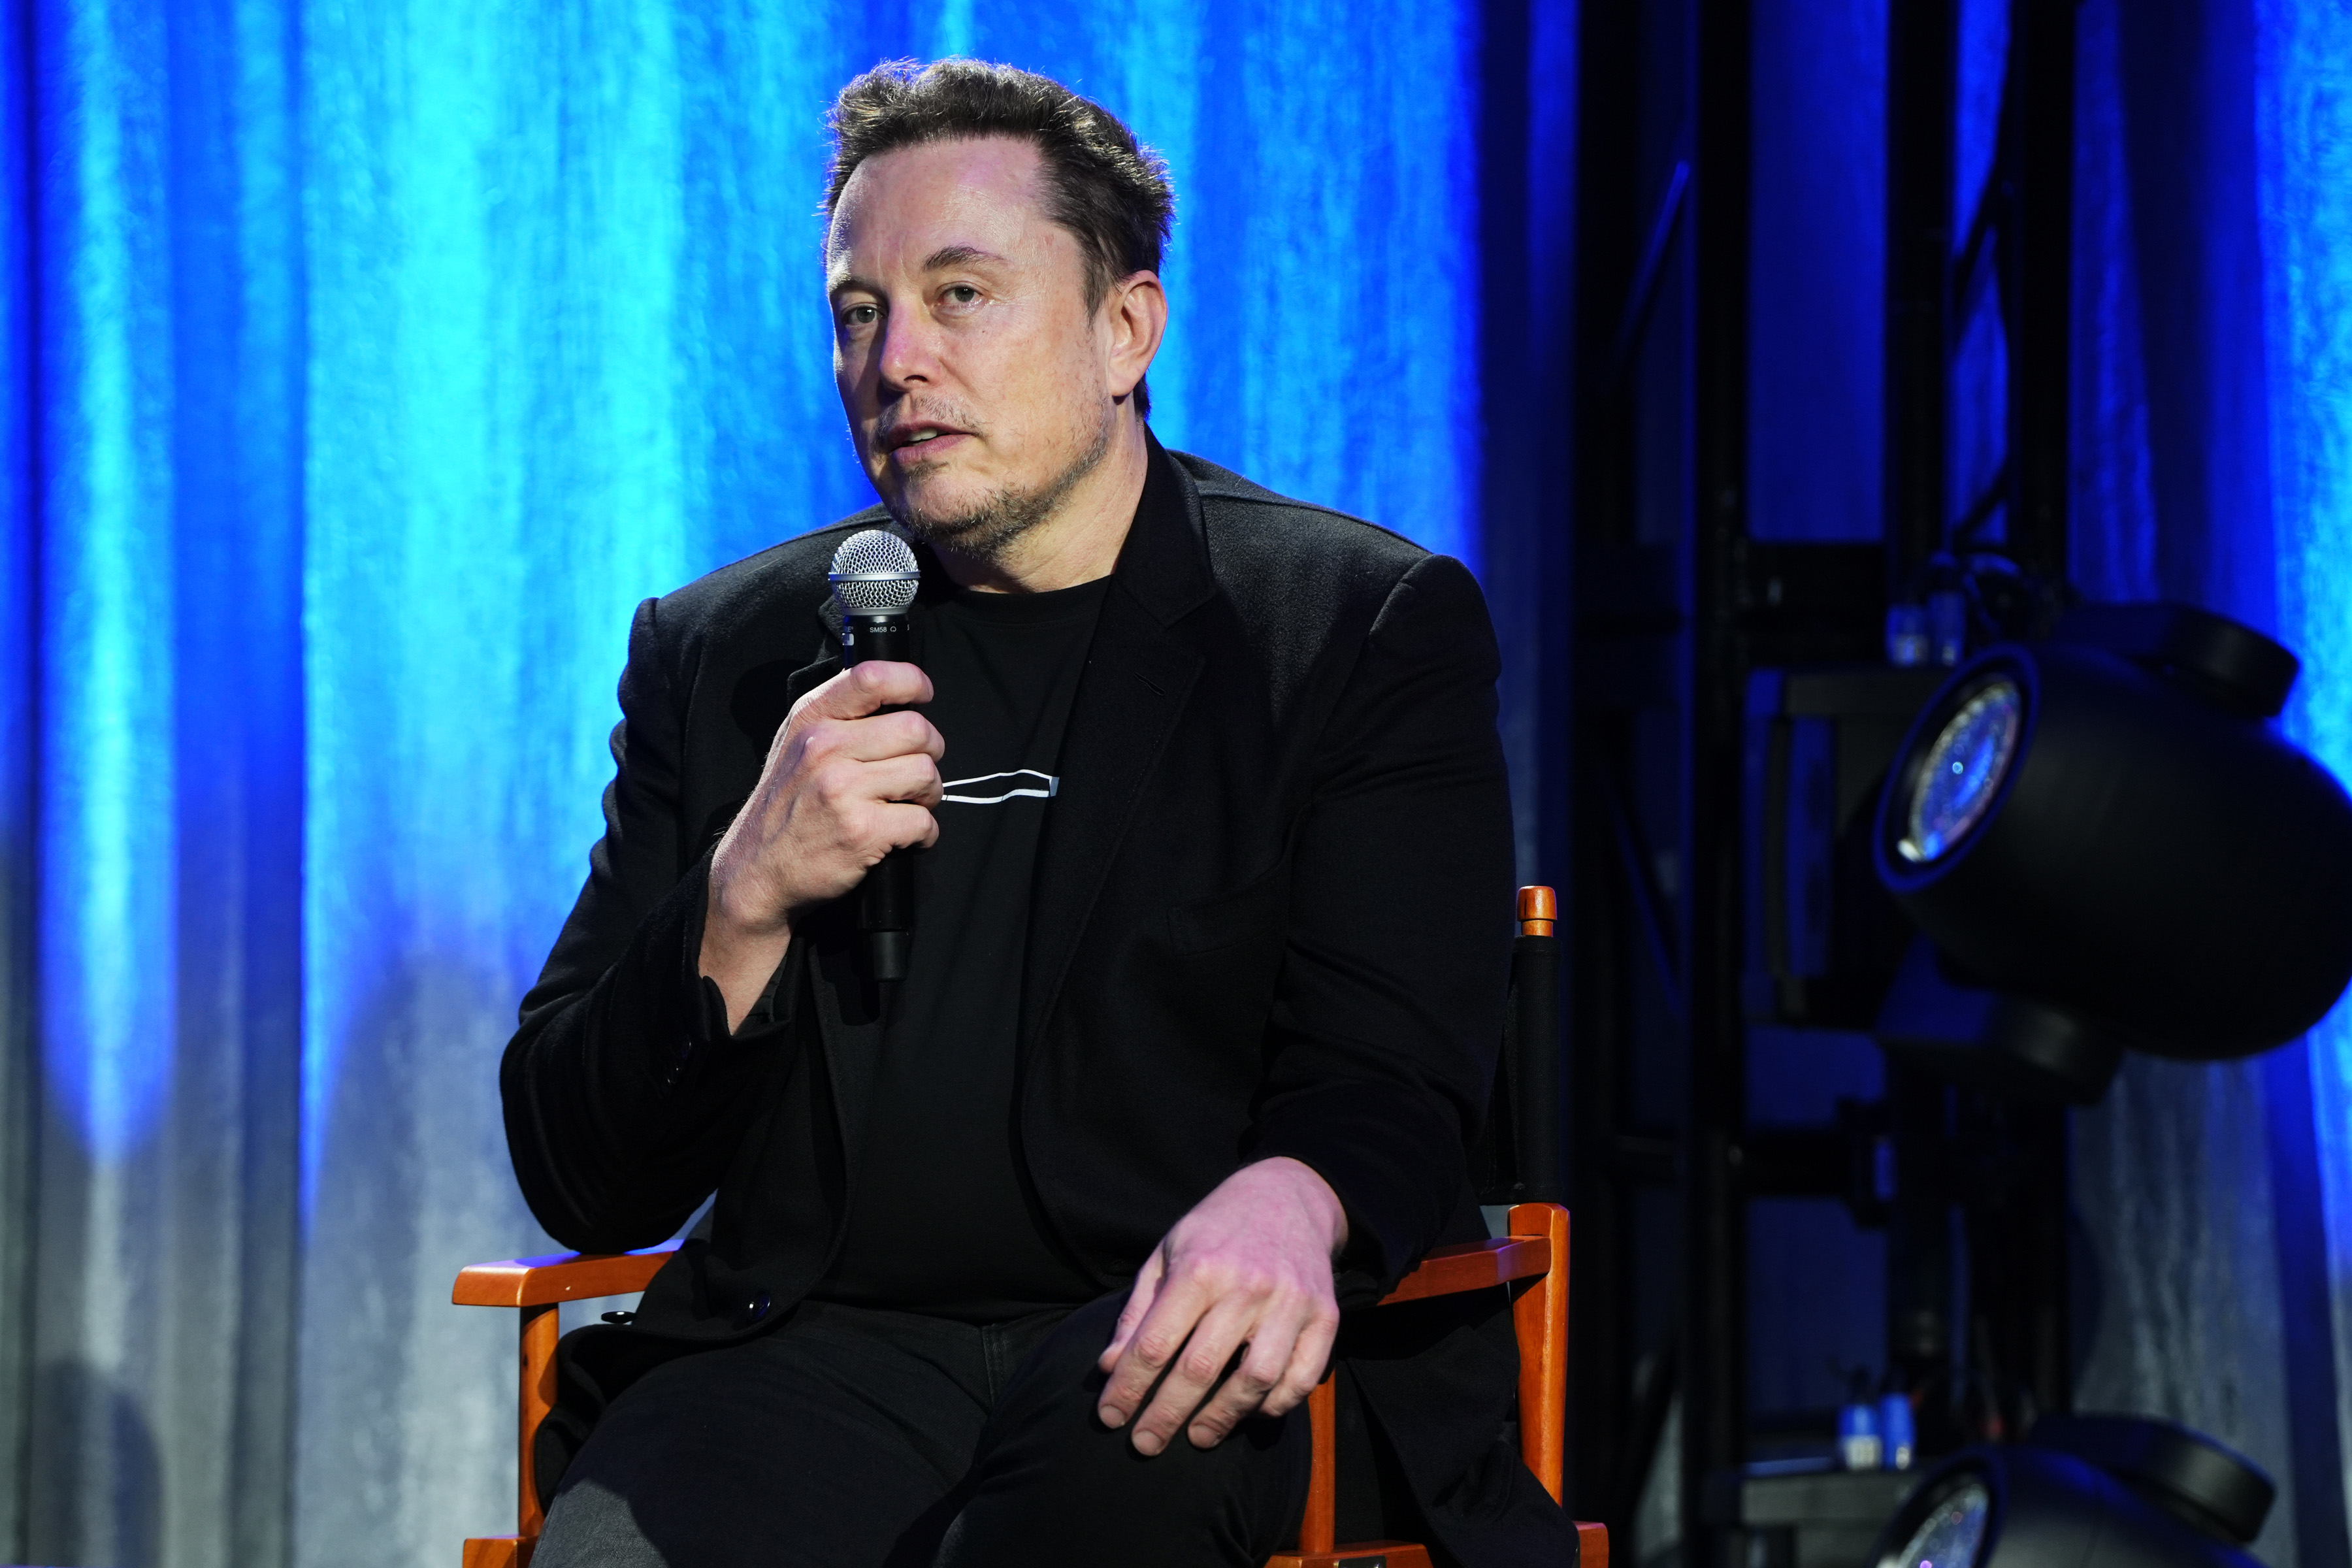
(914, 779)
(1139, 1302)
(1310, 1359)
(1265, 1358)
(874, 738)
(863, 687)
(1207, 1357)
(865, 805)
(1153, 1347)
(899, 825)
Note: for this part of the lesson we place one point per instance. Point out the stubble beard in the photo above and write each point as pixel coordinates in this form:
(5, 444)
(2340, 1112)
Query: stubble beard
(985, 529)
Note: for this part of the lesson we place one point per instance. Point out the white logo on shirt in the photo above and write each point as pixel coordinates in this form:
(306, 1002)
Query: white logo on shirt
(1044, 787)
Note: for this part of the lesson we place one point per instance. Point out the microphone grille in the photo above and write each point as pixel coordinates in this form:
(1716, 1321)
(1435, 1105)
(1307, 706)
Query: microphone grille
(874, 570)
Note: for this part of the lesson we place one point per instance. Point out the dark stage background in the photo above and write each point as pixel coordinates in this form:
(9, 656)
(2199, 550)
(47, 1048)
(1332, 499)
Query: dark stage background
(363, 364)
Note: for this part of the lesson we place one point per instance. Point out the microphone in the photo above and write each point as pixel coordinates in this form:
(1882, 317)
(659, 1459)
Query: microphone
(873, 579)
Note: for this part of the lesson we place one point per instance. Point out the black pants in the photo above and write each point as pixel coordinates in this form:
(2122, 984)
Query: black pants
(852, 1437)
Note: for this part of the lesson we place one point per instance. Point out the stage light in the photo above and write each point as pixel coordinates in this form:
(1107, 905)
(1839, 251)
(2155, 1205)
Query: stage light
(1964, 766)
(2120, 1491)
(2105, 830)
(1954, 1531)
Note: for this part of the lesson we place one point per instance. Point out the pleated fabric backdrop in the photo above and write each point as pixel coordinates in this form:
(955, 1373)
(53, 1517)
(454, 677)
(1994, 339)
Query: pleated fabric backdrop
(361, 363)
(2184, 1300)
(364, 364)
(2212, 403)
(160, 663)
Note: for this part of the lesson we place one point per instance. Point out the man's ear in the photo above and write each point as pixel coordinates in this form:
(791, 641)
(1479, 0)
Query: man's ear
(1136, 310)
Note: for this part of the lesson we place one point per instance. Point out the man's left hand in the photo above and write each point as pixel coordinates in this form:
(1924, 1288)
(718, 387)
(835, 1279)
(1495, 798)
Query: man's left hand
(1248, 1269)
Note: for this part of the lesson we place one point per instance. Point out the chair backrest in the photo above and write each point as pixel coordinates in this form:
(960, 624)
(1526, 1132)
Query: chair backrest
(1516, 1159)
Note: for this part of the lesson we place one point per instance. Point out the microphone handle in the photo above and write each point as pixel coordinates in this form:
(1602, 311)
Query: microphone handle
(886, 900)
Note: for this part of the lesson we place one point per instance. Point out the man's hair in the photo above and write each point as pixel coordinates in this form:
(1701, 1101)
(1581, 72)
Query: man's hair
(1110, 191)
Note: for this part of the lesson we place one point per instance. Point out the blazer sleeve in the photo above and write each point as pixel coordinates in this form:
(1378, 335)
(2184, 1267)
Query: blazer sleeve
(1389, 1015)
(624, 1095)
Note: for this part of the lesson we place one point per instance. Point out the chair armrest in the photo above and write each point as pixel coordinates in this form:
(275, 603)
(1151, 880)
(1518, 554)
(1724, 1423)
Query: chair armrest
(572, 1276)
(557, 1277)
(1475, 1266)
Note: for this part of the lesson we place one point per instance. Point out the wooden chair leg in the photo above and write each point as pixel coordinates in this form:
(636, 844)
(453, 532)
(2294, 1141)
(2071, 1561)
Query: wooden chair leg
(540, 1328)
(1539, 1317)
(1318, 1530)
(536, 1354)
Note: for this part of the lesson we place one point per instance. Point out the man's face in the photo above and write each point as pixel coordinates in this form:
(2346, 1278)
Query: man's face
(973, 373)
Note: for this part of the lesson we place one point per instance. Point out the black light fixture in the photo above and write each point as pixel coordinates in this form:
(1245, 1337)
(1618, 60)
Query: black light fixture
(2085, 1491)
(2109, 846)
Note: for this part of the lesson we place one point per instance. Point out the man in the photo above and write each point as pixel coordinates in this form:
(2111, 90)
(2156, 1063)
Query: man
(1034, 1254)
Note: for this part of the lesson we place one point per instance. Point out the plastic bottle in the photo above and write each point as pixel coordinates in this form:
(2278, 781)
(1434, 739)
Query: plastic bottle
(1897, 1432)
(1859, 1444)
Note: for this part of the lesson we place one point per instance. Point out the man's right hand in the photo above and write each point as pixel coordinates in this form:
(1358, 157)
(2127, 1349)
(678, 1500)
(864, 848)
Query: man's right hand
(843, 786)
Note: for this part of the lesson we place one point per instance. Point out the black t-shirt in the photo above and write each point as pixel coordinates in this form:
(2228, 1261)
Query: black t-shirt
(942, 1141)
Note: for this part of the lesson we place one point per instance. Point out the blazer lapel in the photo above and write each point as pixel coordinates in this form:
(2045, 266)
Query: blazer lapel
(849, 1023)
(1138, 677)
(848, 1033)
(809, 677)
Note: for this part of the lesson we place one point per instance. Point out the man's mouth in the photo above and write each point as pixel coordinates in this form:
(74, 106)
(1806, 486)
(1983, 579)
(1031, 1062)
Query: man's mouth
(920, 437)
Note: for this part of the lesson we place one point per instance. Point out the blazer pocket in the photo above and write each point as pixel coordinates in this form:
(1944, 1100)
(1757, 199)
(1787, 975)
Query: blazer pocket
(1255, 911)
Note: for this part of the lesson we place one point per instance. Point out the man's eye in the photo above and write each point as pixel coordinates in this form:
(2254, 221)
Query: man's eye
(860, 316)
(961, 294)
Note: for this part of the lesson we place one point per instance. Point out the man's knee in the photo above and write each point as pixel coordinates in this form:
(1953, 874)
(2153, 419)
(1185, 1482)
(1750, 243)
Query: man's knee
(594, 1527)
(814, 1447)
(1050, 1470)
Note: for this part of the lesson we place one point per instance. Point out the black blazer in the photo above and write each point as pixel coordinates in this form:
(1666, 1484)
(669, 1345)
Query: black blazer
(1271, 915)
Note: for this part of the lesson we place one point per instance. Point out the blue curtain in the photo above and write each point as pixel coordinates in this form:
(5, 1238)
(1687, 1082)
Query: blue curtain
(2211, 385)
(361, 365)
(155, 496)
(2303, 147)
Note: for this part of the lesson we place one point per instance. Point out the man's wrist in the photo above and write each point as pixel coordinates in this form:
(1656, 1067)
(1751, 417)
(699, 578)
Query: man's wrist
(738, 908)
(1316, 1194)
(725, 940)
(740, 956)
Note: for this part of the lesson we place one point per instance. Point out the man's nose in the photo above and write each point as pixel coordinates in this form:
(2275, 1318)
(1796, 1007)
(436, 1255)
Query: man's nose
(909, 350)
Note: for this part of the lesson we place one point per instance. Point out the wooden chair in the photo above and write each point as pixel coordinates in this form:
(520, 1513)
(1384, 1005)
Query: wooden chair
(1531, 1261)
